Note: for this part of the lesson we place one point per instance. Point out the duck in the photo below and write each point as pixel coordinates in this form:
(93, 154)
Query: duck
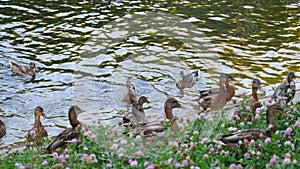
(254, 103)
(131, 94)
(137, 113)
(206, 94)
(38, 131)
(188, 80)
(215, 101)
(255, 134)
(148, 129)
(286, 89)
(68, 134)
(23, 70)
(2, 129)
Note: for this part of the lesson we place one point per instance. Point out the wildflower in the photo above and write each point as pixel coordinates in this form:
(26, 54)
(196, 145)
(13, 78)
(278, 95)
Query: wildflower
(252, 142)
(85, 148)
(74, 140)
(286, 162)
(45, 162)
(232, 129)
(268, 140)
(67, 156)
(123, 141)
(232, 166)
(295, 161)
(184, 163)
(286, 123)
(32, 132)
(242, 124)
(287, 143)
(177, 165)
(150, 167)
(109, 165)
(84, 156)
(138, 138)
(211, 150)
(139, 153)
(258, 154)
(133, 163)
(247, 156)
(297, 124)
(248, 108)
(273, 161)
(258, 110)
(287, 132)
(219, 147)
(114, 146)
(170, 160)
(146, 163)
(93, 137)
(257, 116)
(195, 132)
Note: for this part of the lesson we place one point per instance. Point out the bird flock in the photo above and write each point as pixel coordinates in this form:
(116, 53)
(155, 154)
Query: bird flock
(211, 100)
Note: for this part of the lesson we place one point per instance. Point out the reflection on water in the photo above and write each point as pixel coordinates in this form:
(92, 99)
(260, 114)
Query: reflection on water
(85, 52)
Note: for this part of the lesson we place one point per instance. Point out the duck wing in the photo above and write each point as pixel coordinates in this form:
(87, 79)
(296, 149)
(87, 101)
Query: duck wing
(17, 68)
(241, 136)
(62, 139)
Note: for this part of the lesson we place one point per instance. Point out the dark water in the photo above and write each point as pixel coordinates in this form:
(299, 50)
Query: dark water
(85, 51)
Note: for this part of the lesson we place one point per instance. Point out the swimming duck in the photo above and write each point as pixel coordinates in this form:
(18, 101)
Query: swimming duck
(38, 130)
(23, 70)
(286, 89)
(2, 129)
(131, 94)
(137, 113)
(217, 101)
(188, 80)
(67, 135)
(148, 129)
(256, 134)
(206, 94)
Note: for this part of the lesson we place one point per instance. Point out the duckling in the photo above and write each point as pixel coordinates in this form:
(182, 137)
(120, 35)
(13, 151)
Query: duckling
(188, 80)
(286, 89)
(137, 114)
(256, 134)
(206, 94)
(23, 70)
(2, 129)
(216, 102)
(67, 135)
(131, 94)
(148, 129)
(38, 130)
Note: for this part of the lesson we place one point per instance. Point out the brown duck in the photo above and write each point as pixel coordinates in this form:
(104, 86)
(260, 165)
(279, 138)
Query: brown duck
(286, 85)
(218, 101)
(23, 70)
(255, 134)
(207, 94)
(137, 113)
(188, 80)
(148, 129)
(38, 130)
(2, 129)
(131, 94)
(254, 103)
(67, 135)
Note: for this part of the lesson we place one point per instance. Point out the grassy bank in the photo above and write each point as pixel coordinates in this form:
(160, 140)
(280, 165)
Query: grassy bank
(193, 147)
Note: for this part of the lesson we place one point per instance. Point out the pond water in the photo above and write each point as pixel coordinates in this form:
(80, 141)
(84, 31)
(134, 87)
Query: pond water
(85, 51)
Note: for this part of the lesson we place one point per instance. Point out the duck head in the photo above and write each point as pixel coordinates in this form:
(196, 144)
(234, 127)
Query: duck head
(291, 76)
(39, 112)
(32, 65)
(142, 100)
(73, 113)
(256, 85)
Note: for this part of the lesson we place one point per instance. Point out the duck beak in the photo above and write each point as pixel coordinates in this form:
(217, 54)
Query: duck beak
(262, 89)
(45, 116)
(287, 115)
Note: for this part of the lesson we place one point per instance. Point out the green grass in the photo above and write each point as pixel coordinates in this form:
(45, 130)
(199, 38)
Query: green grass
(103, 147)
